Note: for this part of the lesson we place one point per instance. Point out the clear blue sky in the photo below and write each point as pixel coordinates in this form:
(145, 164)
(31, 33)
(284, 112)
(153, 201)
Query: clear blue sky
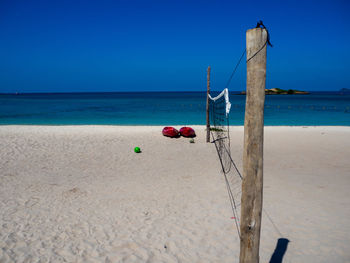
(126, 45)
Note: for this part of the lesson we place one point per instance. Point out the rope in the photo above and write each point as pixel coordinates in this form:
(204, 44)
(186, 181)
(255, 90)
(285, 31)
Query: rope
(234, 70)
(261, 25)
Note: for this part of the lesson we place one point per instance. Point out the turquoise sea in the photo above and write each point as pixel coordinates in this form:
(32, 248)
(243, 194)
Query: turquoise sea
(166, 108)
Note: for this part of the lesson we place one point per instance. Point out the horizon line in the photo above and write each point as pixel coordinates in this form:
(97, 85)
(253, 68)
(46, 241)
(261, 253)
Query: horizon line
(148, 91)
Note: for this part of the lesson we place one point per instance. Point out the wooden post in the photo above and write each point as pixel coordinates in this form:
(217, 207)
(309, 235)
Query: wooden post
(252, 186)
(208, 91)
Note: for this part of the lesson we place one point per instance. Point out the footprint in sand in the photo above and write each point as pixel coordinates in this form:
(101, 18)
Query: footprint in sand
(73, 193)
(31, 202)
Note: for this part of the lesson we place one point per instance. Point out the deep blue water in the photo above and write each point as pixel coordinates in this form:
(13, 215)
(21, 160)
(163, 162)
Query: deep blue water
(166, 108)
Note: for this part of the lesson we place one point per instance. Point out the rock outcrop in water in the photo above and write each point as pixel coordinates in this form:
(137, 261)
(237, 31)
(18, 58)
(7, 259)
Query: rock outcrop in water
(344, 91)
(277, 91)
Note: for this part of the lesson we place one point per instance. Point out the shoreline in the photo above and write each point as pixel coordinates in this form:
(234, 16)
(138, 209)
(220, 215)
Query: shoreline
(160, 127)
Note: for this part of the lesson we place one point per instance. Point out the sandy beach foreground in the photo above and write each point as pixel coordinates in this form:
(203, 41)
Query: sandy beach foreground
(80, 194)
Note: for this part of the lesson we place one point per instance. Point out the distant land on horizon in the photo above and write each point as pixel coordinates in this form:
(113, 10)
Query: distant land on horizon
(237, 92)
(277, 91)
(344, 90)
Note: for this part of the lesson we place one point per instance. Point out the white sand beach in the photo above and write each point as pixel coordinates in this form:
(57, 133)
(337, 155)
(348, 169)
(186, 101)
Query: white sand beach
(80, 194)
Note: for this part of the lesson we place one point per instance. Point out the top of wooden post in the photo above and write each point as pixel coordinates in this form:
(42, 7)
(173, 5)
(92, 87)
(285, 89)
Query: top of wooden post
(256, 40)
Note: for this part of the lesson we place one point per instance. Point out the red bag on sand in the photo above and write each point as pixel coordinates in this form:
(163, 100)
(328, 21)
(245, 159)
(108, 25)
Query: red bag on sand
(170, 132)
(187, 132)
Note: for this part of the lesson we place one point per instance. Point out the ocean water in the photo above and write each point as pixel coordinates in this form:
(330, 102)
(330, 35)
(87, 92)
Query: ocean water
(166, 108)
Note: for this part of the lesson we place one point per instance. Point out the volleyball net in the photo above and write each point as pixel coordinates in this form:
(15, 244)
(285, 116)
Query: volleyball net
(219, 110)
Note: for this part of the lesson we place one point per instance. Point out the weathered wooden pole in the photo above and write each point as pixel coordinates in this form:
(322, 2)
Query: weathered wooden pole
(208, 91)
(252, 186)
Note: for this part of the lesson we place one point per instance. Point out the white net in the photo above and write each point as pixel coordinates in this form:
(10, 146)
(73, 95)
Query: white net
(219, 128)
(223, 94)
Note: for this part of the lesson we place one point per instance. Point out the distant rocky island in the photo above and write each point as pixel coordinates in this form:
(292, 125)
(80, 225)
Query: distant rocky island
(344, 91)
(277, 91)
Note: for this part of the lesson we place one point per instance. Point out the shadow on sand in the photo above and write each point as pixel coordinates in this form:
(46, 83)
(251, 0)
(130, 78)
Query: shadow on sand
(280, 250)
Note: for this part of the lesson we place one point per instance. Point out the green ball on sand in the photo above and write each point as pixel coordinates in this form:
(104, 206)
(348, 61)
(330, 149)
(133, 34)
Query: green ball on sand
(137, 150)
